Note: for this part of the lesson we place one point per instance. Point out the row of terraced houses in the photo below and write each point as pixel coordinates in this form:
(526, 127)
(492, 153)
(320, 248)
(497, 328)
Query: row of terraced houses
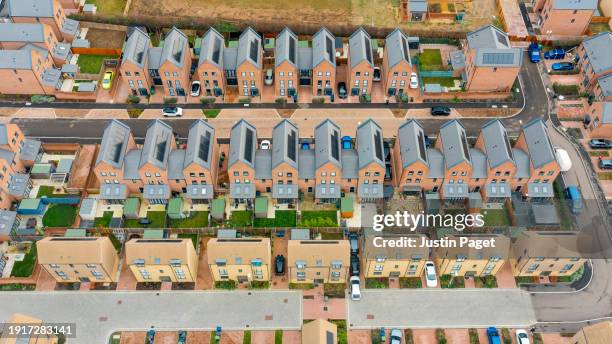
(327, 165)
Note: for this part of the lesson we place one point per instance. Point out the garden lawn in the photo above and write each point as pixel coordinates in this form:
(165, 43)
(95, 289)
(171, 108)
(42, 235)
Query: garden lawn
(410, 282)
(158, 220)
(377, 283)
(431, 59)
(211, 113)
(193, 237)
(60, 215)
(91, 64)
(283, 218)
(496, 217)
(47, 191)
(319, 218)
(445, 282)
(103, 221)
(447, 82)
(241, 218)
(196, 220)
(25, 267)
(109, 7)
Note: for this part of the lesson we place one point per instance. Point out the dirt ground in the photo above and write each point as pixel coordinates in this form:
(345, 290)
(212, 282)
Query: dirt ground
(108, 39)
(384, 13)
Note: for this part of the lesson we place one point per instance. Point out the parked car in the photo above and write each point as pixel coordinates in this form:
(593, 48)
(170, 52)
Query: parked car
(182, 337)
(555, 54)
(354, 265)
(605, 164)
(342, 94)
(354, 241)
(265, 144)
(522, 337)
(600, 144)
(493, 336)
(195, 88)
(269, 78)
(376, 74)
(396, 336)
(414, 80)
(430, 274)
(563, 159)
(279, 265)
(440, 111)
(563, 66)
(534, 52)
(355, 288)
(172, 112)
(144, 221)
(107, 80)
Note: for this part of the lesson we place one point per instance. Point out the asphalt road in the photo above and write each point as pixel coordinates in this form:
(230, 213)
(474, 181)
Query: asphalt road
(98, 314)
(90, 130)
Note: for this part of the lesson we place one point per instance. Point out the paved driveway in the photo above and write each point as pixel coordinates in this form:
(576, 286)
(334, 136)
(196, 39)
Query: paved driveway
(98, 314)
(441, 308)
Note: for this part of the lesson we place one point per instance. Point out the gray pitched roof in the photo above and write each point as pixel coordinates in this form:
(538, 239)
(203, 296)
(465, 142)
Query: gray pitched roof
(136, 49)
(114, 144)
(521, 159)
(113, 191)
(249, 48)
(7, 221)
(411, 139)
(436, 163)
(539, 147)
(360, 48)
(229, 58)
(175, 164)
(350, 164)
(606, 116)
(496, 143)
(599, 50)
(605, 84)
(323, 48)
(493, 48)
(327, 144)
(157, 145)
(575, 4)
(417, 5)
(454, 143)
(200, 144)
(285, 144)
(243, 144)
(213, 45)
(15, 59)
(304, 58)
(130, 164)
(306, 164)
(3, 134)
(286, 48)
(370, 144)
(263, 164)
(22, 32)
(479, 163)
(30, 149)
(154, 57)
(31, 8)
(396, 45)
(175, 48)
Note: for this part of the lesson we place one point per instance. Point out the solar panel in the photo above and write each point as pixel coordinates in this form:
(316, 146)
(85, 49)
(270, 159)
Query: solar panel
(335, 148)
(254, 50)
(329, 48)
(498, 58)
(501, 38)
(466, 151)
(204, 147)
(248, 146)
(378, 145)
(117, 151)
(216, 54)
(292, 49)
(368, 49)
(421, 143)
(507, 142)
(160, 151)
(292, 145)
(178, 50)
(405, 48)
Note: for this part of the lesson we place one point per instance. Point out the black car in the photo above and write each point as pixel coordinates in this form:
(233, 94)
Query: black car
(279, 265)
(600, 144)
(354, 241)
(440, 111)
(354, 265)
(342, 90)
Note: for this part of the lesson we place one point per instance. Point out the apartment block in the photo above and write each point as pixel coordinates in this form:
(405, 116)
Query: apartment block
(328, 163)
(452, 142)
(393, 261)
(31, 338)
(17, 153)
(28, 70)
(317, 261)
(565, 17)
(371, 161)
(49, 12)
(284, 162)
(14, 36)
(162, 260)
(239, 259)
(241, 162)
(500, 166)
(323, 63)
(360, 63)
(491, 63)
(593, 59)
(134, 67)
(397, 66)
(600, 125)
(599, 333)
(286, 69)
(467, 261)
(549, 253)
(211, 64)
(78, 259)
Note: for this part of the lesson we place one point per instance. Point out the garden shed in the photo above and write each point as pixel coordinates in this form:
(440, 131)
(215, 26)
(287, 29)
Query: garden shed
(87, 211)
(175, 208)
(261, 207)
(346, 207)
(31, 206)
(131, 208)
(217, 210)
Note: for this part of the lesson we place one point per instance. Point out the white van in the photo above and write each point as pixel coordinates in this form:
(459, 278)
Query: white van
(355, 288)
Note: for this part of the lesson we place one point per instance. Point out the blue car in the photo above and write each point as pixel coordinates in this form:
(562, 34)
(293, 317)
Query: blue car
(555, 54)
(563, 66)
(534, 52)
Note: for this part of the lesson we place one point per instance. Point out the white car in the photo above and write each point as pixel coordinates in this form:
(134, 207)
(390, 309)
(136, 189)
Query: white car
(414, 80)
(355, 288)
(172, 112)
(195, 88)
(269, 78)
(396, 336)
(430, 275)
(265, 145)
(522, 337)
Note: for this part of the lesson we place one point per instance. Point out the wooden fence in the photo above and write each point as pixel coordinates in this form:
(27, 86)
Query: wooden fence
(97, 51)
